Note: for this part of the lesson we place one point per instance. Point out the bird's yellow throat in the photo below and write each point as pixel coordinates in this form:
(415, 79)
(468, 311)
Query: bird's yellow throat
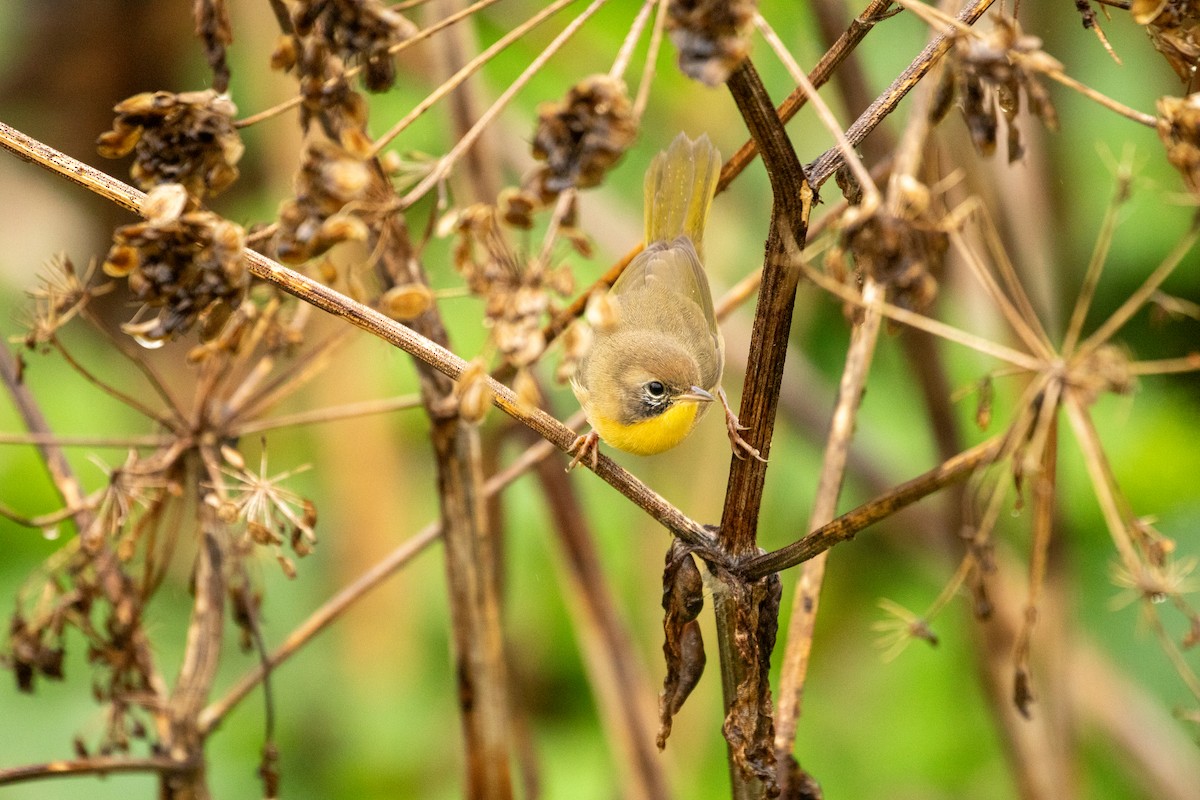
(649, 436)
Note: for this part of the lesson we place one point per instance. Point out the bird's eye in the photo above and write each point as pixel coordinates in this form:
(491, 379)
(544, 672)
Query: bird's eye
(656, 388)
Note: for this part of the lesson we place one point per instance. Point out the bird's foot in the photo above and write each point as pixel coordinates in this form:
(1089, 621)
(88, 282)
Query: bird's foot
(741, 448)
(586, 446)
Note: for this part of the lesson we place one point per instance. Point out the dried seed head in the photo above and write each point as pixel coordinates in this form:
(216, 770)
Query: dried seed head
(906, 254)
(316, 219)
(712, 36)
(356, 30)
(407, 301)
(1106, 369)
(1174, 29)
(180, 264)
(582, 136)
(1179, 130)
(185, 138)
(474, 393)
(517, 294)
(517, 207)
(989, 75)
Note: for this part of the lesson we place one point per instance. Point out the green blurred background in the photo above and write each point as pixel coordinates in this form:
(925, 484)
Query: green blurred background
(368, 709)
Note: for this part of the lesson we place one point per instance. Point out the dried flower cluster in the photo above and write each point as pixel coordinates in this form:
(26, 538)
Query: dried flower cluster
(904, 251)
(1174, 29)
(186, 138)
(581, 136)
(273, 515)
(356, 30)
(61, 294)
(712, 36)
(182, 261)
(317, 218)
(1179, 129)
(216, 34)
(518, 294)
(989, 74)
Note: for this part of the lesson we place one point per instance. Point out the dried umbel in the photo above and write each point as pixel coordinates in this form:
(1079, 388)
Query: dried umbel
(904, 252)
(317, 218)
(582, 136)
(1179, 129)
(357, 30)
(518, 295)
(187, 138)
(181, 261)
(1174, 29)
(712, 36)
(989, 75)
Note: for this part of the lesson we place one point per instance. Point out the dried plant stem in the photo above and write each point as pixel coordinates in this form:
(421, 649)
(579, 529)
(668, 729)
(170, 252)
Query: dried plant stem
(468, 69)
(736, 607)
(337, 605)
(1103, 482)
(623, 692)
(467, 140)
(334, 414)
(824, 113)
(1141, 295)
(821, 73)
(377, 324)
(833, 472)
(481, 170)
(849, 524)
(122, 442)
(201, 658)
(621, 62)
(773, 314)
(828, 163)
(941, 329)
(1164, 366)
(92, 765)
(647, 79)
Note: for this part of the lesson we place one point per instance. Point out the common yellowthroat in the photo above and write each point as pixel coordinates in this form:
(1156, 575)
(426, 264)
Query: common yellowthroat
(654, 366)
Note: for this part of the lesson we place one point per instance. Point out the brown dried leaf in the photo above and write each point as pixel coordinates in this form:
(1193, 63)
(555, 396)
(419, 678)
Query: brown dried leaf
(683, 646)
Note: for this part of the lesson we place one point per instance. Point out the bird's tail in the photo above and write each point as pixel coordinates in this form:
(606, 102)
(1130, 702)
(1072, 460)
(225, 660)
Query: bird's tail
(679, 190)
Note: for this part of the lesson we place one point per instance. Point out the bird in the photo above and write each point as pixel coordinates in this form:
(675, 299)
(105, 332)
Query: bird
(656, 358)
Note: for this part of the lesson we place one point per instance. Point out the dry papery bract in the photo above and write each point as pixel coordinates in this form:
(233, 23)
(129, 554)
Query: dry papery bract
(1174, 28)
(989, 73)
(185, 138)
(1179, 129)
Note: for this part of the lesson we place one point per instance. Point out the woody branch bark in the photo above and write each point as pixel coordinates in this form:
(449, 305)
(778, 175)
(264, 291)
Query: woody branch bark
(747, 613)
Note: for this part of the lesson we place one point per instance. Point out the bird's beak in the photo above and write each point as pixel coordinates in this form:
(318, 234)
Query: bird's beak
(696, 395)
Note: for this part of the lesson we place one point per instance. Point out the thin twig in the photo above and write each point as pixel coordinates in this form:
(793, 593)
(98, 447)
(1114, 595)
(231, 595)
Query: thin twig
(833, 472)
(447, 162)
(849, 524)
(828, 163)
(468, 69)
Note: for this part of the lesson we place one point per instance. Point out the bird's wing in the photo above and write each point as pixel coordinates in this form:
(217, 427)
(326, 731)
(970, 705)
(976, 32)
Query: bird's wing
(673, 268)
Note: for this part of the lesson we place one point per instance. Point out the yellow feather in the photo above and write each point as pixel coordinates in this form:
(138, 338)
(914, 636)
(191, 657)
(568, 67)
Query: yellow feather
(649, 436)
